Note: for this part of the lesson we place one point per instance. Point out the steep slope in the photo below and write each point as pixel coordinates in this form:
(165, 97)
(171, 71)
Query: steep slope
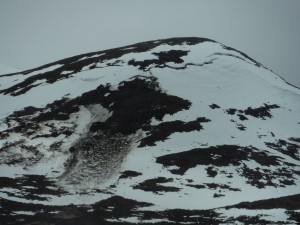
(179, 130)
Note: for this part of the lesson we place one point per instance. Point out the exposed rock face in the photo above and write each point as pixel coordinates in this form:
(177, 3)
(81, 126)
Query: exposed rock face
(181, 130)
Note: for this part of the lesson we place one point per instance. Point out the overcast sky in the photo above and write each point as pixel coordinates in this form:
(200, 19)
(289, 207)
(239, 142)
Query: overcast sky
(36, 32)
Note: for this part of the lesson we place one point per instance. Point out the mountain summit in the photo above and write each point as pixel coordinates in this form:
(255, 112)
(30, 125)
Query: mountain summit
(173, 131)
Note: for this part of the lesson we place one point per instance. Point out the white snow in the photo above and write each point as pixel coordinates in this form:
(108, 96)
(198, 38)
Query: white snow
(29, 213)
(275, 215)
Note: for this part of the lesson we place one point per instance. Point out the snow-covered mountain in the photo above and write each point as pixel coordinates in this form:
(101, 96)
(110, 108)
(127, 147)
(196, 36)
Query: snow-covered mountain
(174, 131)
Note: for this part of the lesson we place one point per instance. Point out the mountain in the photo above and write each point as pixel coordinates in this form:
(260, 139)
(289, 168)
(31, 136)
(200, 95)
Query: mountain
(173, 131)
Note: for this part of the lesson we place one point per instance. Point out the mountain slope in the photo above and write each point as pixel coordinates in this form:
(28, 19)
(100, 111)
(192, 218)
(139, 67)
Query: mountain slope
(163, 131)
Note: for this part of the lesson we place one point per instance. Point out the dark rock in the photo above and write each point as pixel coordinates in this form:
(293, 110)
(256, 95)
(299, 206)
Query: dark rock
(153, 185)
(214, 106)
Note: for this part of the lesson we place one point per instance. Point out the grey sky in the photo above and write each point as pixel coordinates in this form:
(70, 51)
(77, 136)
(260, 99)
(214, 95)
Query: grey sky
(35, 32)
